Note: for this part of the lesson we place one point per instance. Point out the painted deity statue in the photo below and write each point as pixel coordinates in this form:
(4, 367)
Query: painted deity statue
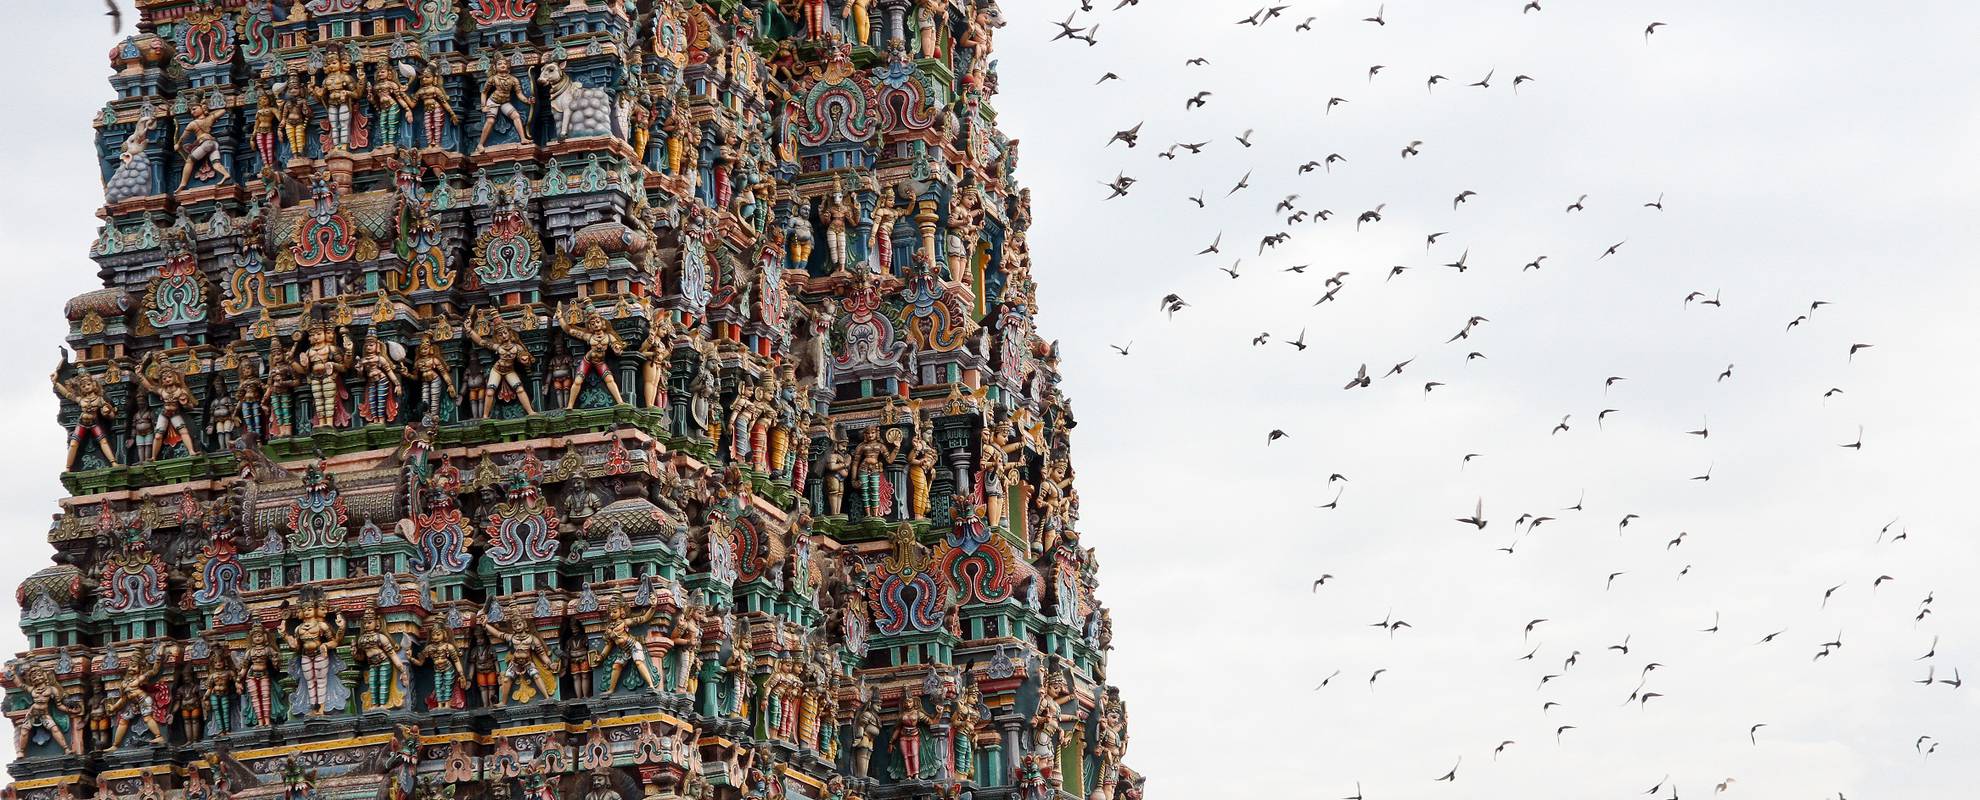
(45, 697)
(433, 375)
(285, 376)
(259, 670)
(199, 147)
(378, 364)
(500, 94)
(140, 698)
(908, 733)
(869, 468)
(657, 352)
(380, 660)
(866, 735)
(92, 409)
(323, 360)
(175, 399)
(840, 215)
(441, 653)
(223, 683)
(529, 656)
(249, 399)
(436, 106)
(838, 467)
(267, 122)
(600, 340)
(339, 91)
(620, 646)
(390, 101)
(296, 116)
(313, 638)
(510, 356)
(921, 471)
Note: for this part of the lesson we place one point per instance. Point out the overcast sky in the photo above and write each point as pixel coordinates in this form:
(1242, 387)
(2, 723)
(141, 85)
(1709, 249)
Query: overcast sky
(1806, 150)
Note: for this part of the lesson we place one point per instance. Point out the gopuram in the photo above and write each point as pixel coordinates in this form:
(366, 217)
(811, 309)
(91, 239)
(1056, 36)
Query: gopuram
(562, 400)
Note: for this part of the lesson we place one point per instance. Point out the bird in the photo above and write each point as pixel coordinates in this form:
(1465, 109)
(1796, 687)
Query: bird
(1534, 264)
(1715, 624)
(1307, 25)
(1467, 459)
(1530, 625)
(1769, 638)
(1827, 594)
(1242, 183)
(1328, 163)
(1477, 520)
(1327, 680)
(1197, 101)
(1105, 77)
(1657, 203)
(1286, 204)
(1612, 580)
(1377, 19)
(1394, 271)
(1432, 82)
(1705, 477)
(1299, 343)
(1612, 250)
(1308, 167)
(1066, 29)
(1375, 70)
(1198, 199)
(1459, 264)
(1451, 777)
(1855, 347)
(1194, 149)
(1360, 379)
(1398, 368)
(1173, 303)
(1373, 215)
(1815, 305)
(1519, 79)
(1502, 748)
(1232, 269)
(1091, 38)
(1274, 436)
(1752, 733)
(1726, 374)
(1321, 582)
(1299, 268)
(1858, 444)
(1410, 149)
(1563, 424)
(1955, 682)
(1122, 349)
(116, 16)
(1214, 245)
(1677, 541)
(1621, 648)
(1603, 416)
(1723, 785)
(1261, 338)
(1625, 523)
(1331, 102)
(1560, 730)
(1531, 5)
(1198, 61)
(1934, 651)
(1431, 239)
(1796, 321)
(1245, 139)
(1372, 677)
(1576, 205)
(1430, 385)
(1485, 82)
(1704, 431)
(1131, 136)
(1650, 29)
(1611, 381)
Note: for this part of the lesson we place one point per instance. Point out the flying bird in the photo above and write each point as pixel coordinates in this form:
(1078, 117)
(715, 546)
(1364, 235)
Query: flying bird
(1122, 349)
(1131, 136)
(1650, 29)
(1360, 380)
(1377, 19)
(1477, 520)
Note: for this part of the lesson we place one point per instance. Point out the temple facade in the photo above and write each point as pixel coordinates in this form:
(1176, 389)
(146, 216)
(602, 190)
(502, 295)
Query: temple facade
(560, 400)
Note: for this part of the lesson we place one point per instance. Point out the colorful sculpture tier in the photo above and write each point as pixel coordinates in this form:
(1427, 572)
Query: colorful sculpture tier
(589, 398)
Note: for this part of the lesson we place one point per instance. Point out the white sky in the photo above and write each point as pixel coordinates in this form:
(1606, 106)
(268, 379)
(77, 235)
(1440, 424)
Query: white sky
(1808, 150)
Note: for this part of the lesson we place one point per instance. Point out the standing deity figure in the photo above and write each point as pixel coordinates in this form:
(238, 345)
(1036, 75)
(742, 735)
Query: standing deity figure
(199, 147)
(529, 656)
(921, 471)
(249, 394)
(735, 673)
(601, 341)
(866, 734)
(391, 101)
(313, 639)
(267, 122)
(687, 643)
(441, 653)
(743, 411)
(838, 467)
(323, 360)
(620, 646)
(92, 408)
(1054, 504)
(908, 733)
(656, 353)
(434, 376)
(380, 660)
(296, 116)
(760, 425)
(840, 215)
(260, 666)
(436, 107)
(859, 16)
(284, 378)
(339, 91)
(175, 399)
(140, 697)
(378, 363)
(928, 16)
(504, 376)
(481, 651)
(223, 683)
(499, 95)
(45, 697)
(704, 397)
(869, 467)
(880, 242)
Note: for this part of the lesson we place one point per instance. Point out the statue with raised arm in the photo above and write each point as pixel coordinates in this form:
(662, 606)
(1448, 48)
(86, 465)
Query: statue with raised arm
(92, 409)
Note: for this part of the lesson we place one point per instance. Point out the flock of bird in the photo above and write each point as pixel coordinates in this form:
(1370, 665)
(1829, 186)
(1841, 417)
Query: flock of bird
(1290, 215)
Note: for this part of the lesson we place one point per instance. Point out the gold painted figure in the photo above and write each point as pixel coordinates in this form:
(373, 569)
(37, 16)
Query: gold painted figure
(92, 409)
(504, 369)
(620, 646)
(529, 656)
(175, 399)
(601, 341)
